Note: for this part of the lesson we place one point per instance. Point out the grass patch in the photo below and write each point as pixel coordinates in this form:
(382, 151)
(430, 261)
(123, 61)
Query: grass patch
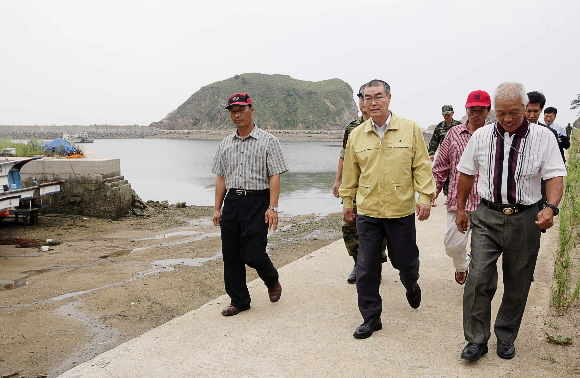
(31, 148)
(559, 339)
(566, 291)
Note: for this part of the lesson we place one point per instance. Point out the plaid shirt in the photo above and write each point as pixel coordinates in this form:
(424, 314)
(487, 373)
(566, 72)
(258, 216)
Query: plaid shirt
(445, 166)
(248, 163)
(439, 135)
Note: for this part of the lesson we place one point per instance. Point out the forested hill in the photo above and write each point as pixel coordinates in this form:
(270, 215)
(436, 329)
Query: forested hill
(281, 102)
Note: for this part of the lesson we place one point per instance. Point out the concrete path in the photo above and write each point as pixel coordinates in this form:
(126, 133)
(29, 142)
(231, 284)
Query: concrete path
(309, 332)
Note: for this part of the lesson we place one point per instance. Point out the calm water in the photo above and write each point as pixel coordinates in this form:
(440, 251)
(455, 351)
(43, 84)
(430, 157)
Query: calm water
(179, 171)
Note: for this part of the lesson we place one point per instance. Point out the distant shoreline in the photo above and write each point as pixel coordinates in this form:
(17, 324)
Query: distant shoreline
(283, 135)
(145, 132)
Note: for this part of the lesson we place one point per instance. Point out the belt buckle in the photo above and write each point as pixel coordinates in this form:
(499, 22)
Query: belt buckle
(240, 192)
(508, 211)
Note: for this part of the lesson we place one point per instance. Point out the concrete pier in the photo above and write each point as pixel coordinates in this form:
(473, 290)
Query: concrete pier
(92, 187)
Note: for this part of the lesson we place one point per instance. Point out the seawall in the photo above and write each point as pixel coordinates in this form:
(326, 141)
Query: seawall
(92, 187)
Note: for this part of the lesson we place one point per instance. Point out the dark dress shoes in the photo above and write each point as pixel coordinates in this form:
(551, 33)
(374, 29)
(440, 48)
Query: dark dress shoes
(366, 329)
(473, 351)
(275, 292)
(233, 310)
(505, 350)
(352, 276)
(414, 297)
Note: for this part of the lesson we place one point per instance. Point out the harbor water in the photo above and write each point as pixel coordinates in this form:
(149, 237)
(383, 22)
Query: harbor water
(179, 170)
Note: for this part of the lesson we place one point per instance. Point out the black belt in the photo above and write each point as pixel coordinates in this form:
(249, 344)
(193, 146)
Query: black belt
(244, 192)
(506, 209)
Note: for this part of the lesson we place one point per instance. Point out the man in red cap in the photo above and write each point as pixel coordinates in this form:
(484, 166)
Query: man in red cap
(248, 165)
(477, 107)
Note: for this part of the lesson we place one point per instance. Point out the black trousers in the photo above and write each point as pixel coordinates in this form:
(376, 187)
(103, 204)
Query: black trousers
(244, 237)
(402, 251)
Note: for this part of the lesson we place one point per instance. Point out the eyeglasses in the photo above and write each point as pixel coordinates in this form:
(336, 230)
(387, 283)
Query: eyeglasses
(369, 100)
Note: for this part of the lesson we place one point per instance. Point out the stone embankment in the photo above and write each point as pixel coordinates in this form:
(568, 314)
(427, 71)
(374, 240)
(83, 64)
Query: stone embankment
(94, 132)
(134, 132)
(91, 187)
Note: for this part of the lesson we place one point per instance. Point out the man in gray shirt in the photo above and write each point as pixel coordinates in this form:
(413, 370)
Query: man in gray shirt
(248, 165)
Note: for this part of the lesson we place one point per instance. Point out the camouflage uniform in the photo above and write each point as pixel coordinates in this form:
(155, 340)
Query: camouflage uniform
(349, 234)
(438, 135)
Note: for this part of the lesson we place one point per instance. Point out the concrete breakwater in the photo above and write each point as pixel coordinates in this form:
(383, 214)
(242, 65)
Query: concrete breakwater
(94, 131)
(134, 131)
(91, 187)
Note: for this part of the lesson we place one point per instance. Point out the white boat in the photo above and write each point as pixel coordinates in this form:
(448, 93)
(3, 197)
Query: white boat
(77, 138)
(11, 189)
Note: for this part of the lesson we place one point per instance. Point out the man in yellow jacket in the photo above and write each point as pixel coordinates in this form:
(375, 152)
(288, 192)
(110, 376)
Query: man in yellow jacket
(386, 163)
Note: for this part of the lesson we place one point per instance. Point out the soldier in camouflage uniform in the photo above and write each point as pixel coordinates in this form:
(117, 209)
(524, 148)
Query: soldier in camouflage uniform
(349, 233)
(439, 134)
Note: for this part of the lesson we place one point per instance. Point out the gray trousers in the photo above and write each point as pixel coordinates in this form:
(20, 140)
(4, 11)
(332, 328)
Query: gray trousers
(518, 239)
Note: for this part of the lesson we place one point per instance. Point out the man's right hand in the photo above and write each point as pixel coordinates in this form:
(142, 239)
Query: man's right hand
(335, 189)
(462, 221)
(217, 214)
(348, 214)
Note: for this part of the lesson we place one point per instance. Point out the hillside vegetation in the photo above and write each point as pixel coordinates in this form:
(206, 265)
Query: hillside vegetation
(281, 102)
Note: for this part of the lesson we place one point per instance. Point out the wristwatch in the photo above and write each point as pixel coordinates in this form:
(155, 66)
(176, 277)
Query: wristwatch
(554, 208)
(273, 208)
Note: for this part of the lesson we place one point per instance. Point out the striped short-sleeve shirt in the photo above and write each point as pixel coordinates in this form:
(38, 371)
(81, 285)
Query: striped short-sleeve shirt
(248, 163)
(511, 167)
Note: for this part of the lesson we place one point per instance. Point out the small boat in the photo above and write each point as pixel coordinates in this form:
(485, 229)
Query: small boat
(11, 188)
(77, 138)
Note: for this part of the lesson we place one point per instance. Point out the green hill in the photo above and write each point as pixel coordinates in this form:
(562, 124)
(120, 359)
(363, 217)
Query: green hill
(281, 102)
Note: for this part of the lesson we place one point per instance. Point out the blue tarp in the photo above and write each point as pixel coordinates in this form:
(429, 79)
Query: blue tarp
(59, 145)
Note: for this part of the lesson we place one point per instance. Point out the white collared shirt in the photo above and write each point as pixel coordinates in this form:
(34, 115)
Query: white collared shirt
(380, 130)
(511, 167)
(560, 129)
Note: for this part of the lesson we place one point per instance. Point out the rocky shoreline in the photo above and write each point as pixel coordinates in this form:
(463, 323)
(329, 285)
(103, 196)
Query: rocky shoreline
(138, 132)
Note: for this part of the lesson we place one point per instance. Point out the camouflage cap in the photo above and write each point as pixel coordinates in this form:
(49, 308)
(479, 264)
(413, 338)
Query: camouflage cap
(446, 109)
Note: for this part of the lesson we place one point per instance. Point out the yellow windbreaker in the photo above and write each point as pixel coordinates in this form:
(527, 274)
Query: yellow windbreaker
(383, 175)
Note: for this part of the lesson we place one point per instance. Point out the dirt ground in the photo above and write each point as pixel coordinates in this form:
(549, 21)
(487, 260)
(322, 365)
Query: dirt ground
(110, 281)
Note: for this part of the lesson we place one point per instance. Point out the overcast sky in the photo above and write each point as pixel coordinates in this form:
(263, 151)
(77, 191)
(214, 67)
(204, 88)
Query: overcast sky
(132, 62)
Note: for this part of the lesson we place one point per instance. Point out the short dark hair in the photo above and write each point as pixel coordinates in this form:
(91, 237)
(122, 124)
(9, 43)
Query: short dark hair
(377, 82)
(551, 110)
(536, 97)
(360, 91)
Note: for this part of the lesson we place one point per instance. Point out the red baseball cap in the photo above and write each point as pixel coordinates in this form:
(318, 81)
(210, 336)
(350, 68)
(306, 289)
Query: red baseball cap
(478, 98)
(239, 99)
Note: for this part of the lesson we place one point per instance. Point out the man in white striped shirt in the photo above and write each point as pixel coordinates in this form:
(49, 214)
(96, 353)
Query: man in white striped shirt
(248, 165)
(511, 158)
